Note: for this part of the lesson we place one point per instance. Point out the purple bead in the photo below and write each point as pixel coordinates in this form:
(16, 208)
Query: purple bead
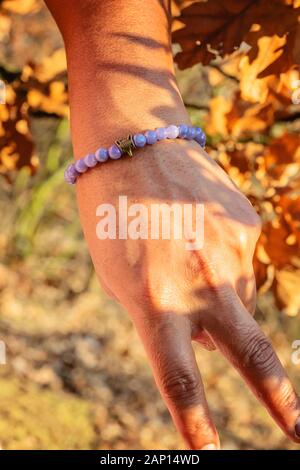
(139, 140)
(71, 174)
(172, 132)
(114, 152)
(183, 129)
(201, 138)
(80, 166)
(101, 155)
(68, 178)
(191, 133)
(151, 137)
(73, 171)
(90, 160)
(67, 175)
(161, 133)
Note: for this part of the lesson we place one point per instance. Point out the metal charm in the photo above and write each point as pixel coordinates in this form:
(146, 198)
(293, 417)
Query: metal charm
(126, 145)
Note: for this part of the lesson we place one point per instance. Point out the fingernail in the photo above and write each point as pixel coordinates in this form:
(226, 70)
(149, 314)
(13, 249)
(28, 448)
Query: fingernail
(297, 428)
(209, 447)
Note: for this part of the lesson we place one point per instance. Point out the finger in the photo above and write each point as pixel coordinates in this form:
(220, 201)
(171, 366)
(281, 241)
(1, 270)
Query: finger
(239, 337)
(167, 340)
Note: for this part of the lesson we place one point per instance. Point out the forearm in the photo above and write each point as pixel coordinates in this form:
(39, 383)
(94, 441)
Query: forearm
(120, 68)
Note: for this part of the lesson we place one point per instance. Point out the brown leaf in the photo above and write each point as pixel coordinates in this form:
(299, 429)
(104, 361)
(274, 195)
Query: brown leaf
(52, 100)
(49, 68)
(16, 142)
(277, 234)
(220, 27)
(290, 209)
(282, 152)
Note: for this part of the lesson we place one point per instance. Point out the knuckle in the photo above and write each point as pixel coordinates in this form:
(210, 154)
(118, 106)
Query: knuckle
(258, 223)
(181, 386)
(199, 264)
(247, 236)
(258, 354)
(254, 223)
(257, 226)
(254, 218)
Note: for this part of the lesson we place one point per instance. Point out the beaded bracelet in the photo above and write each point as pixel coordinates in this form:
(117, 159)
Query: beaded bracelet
(128, 144)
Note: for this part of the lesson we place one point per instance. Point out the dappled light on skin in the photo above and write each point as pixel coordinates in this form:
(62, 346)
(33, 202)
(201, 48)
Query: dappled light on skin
(173, 295)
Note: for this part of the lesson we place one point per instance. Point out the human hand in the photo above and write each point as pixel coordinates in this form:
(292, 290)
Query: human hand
(175, 295)
(121, 77)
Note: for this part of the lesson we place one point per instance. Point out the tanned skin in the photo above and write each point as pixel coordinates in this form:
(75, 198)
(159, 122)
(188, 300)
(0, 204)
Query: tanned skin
(121, 80)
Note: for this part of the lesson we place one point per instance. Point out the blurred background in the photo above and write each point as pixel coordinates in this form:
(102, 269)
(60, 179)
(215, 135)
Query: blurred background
(76, 376)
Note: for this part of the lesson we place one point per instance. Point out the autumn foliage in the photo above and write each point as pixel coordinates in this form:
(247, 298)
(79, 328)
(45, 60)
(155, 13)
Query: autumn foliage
(250, 53)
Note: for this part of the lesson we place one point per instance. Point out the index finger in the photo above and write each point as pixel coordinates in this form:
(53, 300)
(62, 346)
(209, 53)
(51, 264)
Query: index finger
(240, 339)
(167, 339)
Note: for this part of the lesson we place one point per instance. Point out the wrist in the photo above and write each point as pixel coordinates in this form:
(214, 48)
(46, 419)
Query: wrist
(120, 71)
(127, 145)
(106, 110)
